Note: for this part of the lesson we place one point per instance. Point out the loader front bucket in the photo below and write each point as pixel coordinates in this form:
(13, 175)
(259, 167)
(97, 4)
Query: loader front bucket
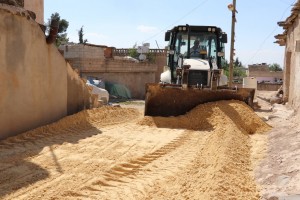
(170, 100)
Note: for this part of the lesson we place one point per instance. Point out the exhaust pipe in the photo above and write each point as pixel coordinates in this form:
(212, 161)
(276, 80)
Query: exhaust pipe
(53, 31)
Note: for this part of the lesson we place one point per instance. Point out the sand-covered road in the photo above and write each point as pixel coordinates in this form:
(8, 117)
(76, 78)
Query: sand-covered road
(117, 153)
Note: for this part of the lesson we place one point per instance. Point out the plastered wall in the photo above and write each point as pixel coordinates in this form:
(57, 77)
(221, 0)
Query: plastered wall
(292, 65)
(37, 84)
(36, 6)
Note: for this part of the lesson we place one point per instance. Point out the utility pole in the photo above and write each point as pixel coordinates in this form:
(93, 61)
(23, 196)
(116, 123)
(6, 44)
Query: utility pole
(232, 7)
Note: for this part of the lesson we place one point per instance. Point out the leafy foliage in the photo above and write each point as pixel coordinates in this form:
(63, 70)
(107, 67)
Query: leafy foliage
(238, 68)
(132, 52)
(151, 57)
(275, 67)
(62, 29)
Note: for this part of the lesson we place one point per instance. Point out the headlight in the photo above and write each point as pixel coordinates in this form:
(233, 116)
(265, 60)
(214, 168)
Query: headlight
(180, 28)
(209, 29)
(184, 28)
(171, 52)
(213, 30)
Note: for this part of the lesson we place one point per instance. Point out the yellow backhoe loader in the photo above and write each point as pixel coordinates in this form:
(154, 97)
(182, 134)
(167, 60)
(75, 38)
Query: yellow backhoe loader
(193, 74)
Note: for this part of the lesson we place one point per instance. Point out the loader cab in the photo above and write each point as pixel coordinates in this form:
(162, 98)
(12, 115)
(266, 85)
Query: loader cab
(202, 43)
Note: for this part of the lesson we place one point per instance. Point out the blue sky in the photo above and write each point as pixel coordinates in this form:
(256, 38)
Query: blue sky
(122, 24)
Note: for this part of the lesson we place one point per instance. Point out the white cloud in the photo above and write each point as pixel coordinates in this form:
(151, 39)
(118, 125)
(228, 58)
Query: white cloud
(146, 29)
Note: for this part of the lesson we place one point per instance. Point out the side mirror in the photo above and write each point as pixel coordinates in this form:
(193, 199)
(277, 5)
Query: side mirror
(167, 36)
(224, 38)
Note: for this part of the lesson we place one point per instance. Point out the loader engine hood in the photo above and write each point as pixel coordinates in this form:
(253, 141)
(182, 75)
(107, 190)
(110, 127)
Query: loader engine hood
(197, 63)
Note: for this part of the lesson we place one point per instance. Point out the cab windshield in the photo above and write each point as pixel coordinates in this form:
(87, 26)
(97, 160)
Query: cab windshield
(201, 45)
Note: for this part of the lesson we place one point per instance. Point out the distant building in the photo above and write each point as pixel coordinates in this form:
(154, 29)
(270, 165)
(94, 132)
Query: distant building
(262, 73)
(112, 66)
(290, 38)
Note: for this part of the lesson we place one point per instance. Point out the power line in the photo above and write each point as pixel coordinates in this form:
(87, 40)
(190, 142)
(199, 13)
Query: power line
(276, 27)
(166, 28)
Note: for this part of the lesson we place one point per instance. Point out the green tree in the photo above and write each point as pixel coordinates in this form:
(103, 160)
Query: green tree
(132, 52)
(239, 72)
(237, 63)
(151, 57)
(225, 65)
(62, 29)
(238, 68)
(275, 67)
(80, 34)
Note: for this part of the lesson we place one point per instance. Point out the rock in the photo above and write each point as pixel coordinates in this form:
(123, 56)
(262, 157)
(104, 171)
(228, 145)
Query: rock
(274, 100)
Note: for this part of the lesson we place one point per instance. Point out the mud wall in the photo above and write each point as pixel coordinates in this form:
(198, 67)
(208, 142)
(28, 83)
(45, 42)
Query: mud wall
(292, 65)
(36, 6)
(19, 3)
(78, 95)
(34, 76)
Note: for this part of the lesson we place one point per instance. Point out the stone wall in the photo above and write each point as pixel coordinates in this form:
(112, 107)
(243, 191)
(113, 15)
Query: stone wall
(37, 84)
(19, 3)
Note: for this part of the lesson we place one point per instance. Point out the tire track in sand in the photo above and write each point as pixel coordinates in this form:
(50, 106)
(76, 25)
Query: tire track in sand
(131, 179)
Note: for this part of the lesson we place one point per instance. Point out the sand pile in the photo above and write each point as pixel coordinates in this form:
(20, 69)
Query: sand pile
(85, 119)
(210, 116)
(116, 153)
(223, 168)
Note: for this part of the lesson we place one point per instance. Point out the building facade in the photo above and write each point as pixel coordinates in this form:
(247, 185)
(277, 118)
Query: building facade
(263, 75)
(290, 39)
(110, 65)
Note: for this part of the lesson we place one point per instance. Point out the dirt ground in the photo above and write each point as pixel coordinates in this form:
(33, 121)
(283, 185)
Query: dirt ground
(278, 173)
(220, 150)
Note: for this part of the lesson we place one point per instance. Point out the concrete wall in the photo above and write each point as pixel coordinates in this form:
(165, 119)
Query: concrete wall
(35, 79)
(133, 75)
(86, 51)
(262, 86)
(36, 6)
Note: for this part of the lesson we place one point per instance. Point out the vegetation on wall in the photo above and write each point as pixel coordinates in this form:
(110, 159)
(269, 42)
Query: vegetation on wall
(62, 36)
(132, 52)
